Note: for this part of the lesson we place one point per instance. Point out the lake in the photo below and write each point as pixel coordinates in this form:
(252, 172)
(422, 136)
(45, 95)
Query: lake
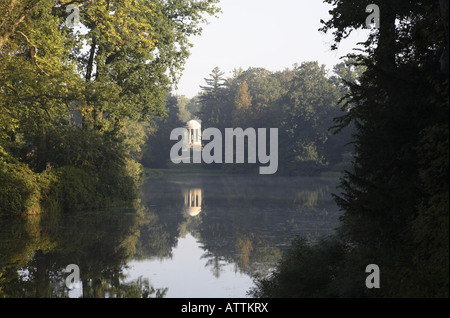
(192, 235)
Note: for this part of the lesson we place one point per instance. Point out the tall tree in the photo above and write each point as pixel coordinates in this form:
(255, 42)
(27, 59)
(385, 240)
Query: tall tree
(243, 97)
(398, 107)
(309, 107)
(215, 107)
(395, 198)
(157, 149)
(115, 71)
(215, 81)
(243, 103)
(37, 78)
(136, 51)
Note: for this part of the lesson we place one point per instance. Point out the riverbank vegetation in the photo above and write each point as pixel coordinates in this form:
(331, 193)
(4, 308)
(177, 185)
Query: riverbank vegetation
(396, 198)
(76, 79)
(86, 111)
(300, 102)
(86, 107)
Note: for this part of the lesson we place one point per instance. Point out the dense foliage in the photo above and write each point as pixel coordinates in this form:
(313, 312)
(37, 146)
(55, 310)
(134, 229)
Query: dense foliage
(395, 199)
(71, 95)
(73, 101)
(301, 102)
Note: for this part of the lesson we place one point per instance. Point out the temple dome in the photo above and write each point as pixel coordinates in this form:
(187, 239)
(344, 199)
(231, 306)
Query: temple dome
(193, 124)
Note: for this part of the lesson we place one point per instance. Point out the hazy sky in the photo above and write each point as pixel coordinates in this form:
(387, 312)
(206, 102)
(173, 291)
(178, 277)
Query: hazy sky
(273, 34)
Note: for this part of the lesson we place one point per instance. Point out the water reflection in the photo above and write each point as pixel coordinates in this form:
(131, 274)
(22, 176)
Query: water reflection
(35, 252)
(193, 201)
(225, 230)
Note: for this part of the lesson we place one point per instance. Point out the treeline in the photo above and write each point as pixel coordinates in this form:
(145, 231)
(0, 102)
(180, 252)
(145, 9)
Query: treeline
(301, 102)
(71, 96)
(396, 198)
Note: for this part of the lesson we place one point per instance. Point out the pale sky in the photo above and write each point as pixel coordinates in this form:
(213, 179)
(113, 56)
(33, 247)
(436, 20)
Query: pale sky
(273, 34)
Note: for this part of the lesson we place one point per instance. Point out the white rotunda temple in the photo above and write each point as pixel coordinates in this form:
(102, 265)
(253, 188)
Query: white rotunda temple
(195, 133)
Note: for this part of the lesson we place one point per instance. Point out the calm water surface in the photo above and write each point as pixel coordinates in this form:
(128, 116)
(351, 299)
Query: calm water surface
(192, 236)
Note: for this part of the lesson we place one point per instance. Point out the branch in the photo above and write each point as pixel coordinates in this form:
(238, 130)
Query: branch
(33, 53)
(90, 64)
(11, 87)
(5, 31)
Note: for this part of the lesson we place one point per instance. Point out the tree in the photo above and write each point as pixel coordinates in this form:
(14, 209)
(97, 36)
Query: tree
(113, 74)
(157, 148)
(395, 198)
(37, 80)
(243, 103)
(14, 14)
(136, 51)
(397, 107)
(301, 102)
(243, 97)
(309, 106)
(215, 82)
(215, 107)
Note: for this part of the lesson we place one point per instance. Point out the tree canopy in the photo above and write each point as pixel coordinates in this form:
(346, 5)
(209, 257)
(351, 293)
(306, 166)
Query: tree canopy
(395, 199)
(69, 93)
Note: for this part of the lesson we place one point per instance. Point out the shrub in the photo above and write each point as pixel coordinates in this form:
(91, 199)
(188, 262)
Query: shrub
(307, 270)
(19, 189)
(76, 189)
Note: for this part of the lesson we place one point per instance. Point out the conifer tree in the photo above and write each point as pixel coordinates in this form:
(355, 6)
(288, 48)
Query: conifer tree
(400, 111)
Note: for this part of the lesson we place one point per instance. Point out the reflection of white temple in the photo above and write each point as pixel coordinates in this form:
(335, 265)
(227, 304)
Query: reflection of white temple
(193, 201)
(195, 133)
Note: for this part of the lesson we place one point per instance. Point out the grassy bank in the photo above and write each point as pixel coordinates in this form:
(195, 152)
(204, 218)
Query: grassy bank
(153, 173)
(150, 173)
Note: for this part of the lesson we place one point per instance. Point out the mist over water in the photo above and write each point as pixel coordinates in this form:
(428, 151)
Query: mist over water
(192, 236)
